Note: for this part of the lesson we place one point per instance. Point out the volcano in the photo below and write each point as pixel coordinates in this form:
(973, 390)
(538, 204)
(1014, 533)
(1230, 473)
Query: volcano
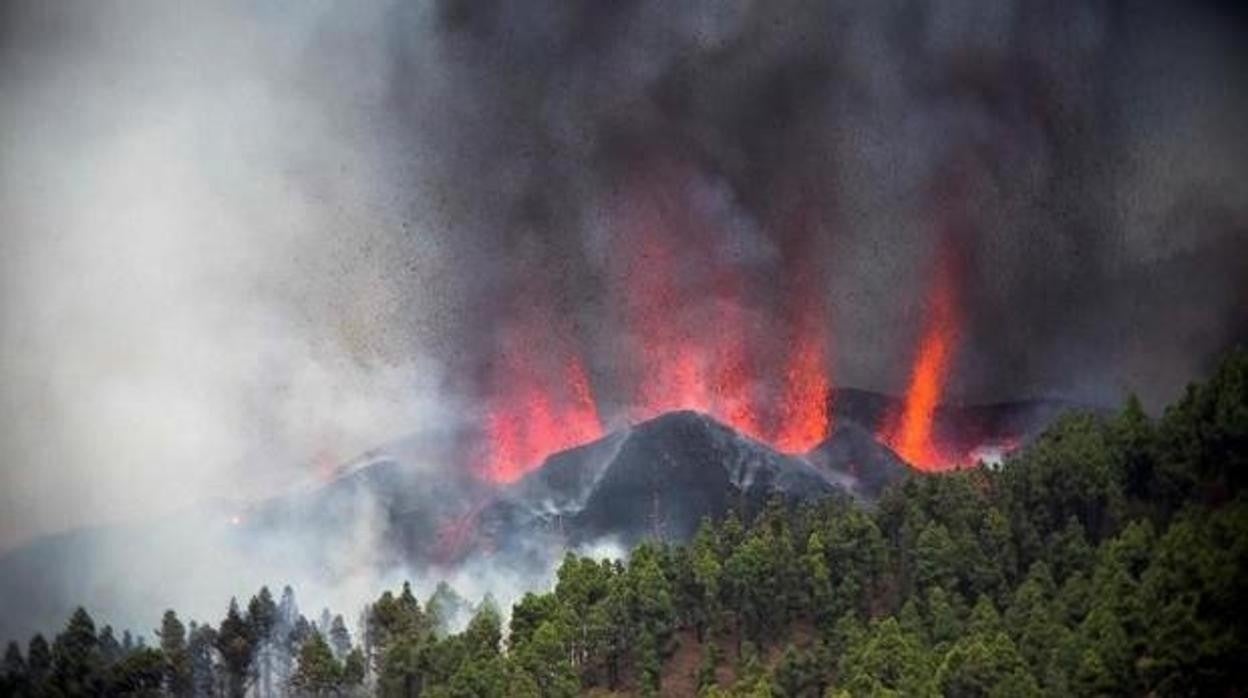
(398, 509)
(657, 479)
(661, 477)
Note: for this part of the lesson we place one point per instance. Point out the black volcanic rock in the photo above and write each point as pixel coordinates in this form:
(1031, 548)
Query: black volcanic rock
(660, 478)
(857, 461)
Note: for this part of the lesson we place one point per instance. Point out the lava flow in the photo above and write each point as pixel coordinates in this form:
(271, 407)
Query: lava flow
(912, 436)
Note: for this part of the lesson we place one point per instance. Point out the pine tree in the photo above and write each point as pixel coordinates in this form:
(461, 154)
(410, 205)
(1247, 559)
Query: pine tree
(649, 665)
(354, 669)
(484, 632)
(76, 662)
(110, 648)
(392, 619)
(14, 674)
(985, 619)
(707, 572)
(339, 638)
(173, 645)
(262, 617)
(1135, 437)
(794, 675)
(444, 607)
(653, 612)
(581, 584)
(139, 673)
(529, 614)
(706, 668)
(236, 644)
(1029, 613)
(1069, 551)
(750, 588)
(318, 673)
(1204, 437)
(201, 639)
(485, 678)
(546, 662)
(285, 645)
(399, 633)
(39, 659)
(935, 558)
(943, 623)
(818, 576)
(985, 665)
(886, 659)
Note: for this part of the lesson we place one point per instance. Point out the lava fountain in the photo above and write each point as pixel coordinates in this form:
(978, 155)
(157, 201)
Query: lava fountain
(689, 332)
(541, 398)
(912, 437)
(698, 342)
(803, 419)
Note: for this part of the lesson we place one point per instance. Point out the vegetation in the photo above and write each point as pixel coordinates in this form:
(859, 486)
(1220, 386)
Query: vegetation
(1109, 558)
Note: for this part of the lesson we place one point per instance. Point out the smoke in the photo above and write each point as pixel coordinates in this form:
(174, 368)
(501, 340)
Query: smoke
(1088, 153)
(243, 243)
(198, 264)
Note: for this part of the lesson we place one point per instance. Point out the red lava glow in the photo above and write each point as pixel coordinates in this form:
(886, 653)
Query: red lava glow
(912, 436)
(697, 328)
(804, 419)
(697, 324)
(541, 403)
(692, 330)
(690, 340)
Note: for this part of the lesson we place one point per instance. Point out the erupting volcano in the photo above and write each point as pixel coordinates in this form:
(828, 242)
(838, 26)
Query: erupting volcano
(701, 339)
(689, 333)
(695, 325)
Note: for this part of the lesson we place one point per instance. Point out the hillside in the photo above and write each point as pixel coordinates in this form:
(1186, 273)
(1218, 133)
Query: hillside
(1109, 557)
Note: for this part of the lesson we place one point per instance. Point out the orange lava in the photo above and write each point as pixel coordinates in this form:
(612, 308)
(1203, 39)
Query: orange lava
(698, 329)
(542, 403)
(804, 419)
(912, 438)
(684, 301)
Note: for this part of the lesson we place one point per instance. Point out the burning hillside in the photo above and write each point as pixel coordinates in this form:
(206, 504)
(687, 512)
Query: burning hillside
(694, 325)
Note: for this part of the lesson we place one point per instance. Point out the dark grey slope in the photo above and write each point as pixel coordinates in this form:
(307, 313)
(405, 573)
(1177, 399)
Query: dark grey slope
(852, 457)
(566, 479)
(659, 478)
(403, 504)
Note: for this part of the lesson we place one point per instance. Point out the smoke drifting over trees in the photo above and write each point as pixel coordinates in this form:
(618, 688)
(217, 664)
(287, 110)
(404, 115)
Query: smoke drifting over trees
(243, 243)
